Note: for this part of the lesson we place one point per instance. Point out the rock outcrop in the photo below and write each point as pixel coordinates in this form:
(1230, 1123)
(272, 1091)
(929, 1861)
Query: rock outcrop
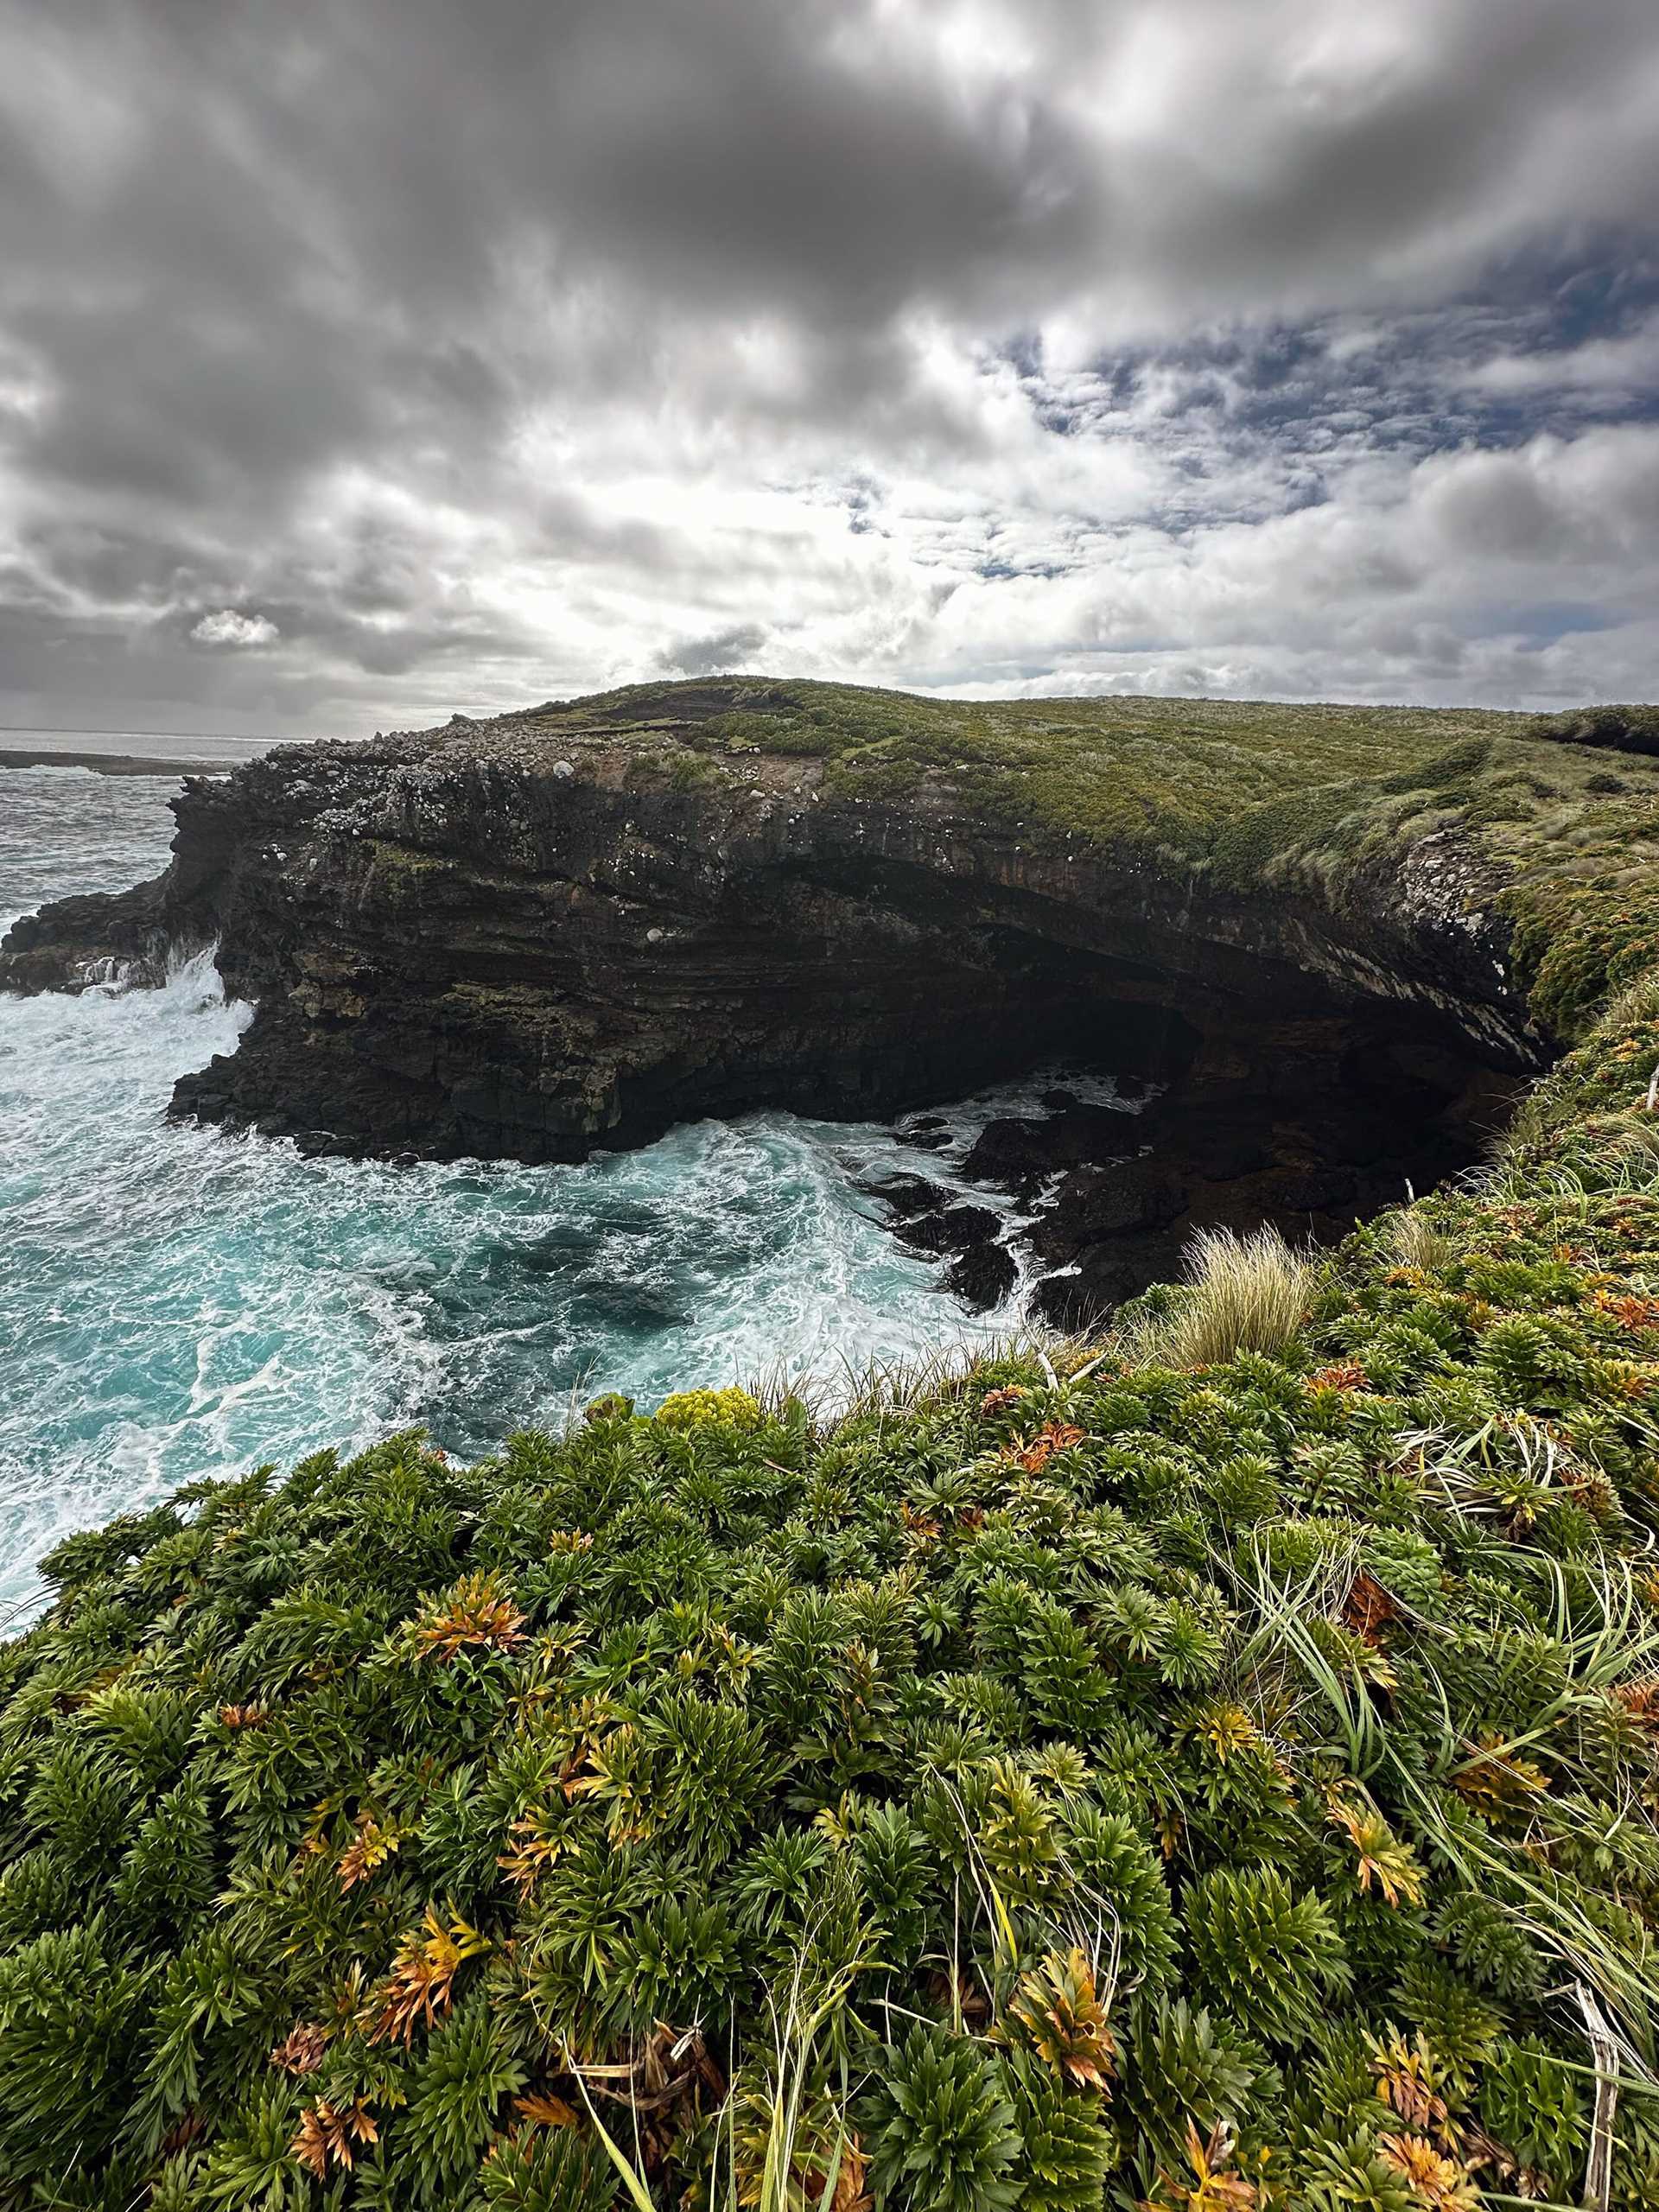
(495, 939)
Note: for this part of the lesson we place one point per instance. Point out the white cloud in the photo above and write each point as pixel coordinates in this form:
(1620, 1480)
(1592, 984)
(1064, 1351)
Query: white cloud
(227, 627)
(1625, 367)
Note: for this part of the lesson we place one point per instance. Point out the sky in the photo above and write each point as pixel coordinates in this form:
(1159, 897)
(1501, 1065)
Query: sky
(365, 361)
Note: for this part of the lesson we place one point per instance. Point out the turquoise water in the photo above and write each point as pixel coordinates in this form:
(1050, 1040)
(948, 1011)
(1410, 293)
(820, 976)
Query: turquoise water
(175, 1302)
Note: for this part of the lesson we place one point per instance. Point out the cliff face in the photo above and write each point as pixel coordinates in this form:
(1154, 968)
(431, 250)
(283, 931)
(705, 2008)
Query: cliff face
(503, 940)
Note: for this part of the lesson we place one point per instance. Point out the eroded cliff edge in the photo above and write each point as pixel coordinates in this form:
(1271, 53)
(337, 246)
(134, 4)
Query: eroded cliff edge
(530, 935)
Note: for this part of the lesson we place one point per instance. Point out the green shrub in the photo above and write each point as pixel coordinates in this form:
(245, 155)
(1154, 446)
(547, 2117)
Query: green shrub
(942, 2134)
(701, 1409)
(1531, 2104)
(1271, 1958)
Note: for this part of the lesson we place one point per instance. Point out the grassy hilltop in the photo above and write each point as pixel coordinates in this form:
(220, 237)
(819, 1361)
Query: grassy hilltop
(1242, 792)
(1214, 1769)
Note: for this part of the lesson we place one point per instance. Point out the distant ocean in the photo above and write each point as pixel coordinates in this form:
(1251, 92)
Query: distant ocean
(174, 1302)
(116, 746)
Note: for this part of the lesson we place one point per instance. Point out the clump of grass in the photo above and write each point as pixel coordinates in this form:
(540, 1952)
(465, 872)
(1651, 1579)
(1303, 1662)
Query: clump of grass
(1417, 1243)
(1622, 729)
(1242, 1293)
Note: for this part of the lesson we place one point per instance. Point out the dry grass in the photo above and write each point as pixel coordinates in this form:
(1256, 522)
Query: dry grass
(1417, 1243)
(1242, 1293)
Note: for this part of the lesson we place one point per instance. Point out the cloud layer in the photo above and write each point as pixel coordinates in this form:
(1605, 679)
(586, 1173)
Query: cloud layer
(363, 359)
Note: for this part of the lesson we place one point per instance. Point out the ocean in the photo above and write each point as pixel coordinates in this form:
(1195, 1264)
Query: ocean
(177, 1302)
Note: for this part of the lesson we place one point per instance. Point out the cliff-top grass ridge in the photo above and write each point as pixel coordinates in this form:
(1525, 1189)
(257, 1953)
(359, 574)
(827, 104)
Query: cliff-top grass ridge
(1246, 793)
(1212, 1768)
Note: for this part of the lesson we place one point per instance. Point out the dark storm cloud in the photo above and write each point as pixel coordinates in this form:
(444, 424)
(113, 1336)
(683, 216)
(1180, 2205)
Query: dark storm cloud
(729, 650)
(366, 360)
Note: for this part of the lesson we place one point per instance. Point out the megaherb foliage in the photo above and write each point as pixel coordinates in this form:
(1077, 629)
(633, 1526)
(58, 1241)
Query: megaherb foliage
(1081, 1780)
(1213, 1775)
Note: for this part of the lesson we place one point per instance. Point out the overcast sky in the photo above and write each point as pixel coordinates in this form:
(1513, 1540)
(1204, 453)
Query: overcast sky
(367, 360)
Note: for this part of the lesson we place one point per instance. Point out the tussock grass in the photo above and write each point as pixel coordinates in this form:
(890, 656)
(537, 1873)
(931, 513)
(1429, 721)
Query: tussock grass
(1242, 1293)
(1417, 1243)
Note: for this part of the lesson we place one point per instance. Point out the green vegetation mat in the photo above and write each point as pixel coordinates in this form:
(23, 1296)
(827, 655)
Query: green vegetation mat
(1079, 1779)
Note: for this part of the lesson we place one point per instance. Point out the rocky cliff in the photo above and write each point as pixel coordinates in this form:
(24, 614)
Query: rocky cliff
(532, 935)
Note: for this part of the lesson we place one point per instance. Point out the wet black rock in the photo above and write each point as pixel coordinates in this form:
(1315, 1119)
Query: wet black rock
(956, 1228)
(905, 1196)
(928, 1217)
(983, 1276)
(1083, 1296)
(1131, 1195)
(1007, 1152)
(1017, 1155)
